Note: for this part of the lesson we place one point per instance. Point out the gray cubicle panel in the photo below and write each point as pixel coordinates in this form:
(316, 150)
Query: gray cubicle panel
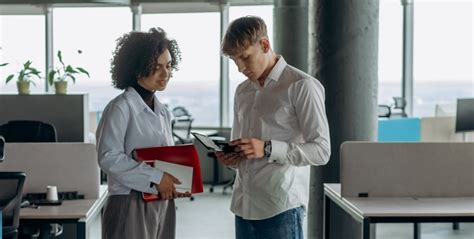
(69, 166)
(68, 113)
(439, 129)
(407, 169)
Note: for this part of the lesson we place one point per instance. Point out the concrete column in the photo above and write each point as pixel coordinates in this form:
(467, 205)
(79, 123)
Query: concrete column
(343, 55)
(290, 31)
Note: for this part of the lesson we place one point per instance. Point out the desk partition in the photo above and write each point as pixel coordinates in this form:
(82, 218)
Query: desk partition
(69, 166)
(407, 169)
(68, 113)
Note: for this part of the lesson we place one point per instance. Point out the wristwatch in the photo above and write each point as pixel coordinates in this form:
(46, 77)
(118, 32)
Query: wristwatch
(267, 148)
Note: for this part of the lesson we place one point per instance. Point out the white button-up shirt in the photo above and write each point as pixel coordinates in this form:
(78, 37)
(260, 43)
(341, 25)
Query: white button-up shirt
(128, 123)
(289, 111)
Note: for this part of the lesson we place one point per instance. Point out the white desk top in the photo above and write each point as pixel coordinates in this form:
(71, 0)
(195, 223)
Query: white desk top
(70, 209)
(404, 206)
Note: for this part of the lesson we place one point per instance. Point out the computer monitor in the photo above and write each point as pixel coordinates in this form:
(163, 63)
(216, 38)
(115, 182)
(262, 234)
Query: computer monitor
(465, 115)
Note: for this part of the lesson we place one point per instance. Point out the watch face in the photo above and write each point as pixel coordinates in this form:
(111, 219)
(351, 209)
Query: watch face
(267, 148)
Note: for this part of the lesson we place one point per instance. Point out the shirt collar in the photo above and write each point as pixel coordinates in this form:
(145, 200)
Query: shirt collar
(277, 69)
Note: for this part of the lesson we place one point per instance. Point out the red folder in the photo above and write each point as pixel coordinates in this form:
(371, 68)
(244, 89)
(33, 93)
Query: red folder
(185, 154)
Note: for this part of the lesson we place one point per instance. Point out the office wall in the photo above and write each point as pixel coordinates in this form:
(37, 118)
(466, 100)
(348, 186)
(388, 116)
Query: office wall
(68, 113)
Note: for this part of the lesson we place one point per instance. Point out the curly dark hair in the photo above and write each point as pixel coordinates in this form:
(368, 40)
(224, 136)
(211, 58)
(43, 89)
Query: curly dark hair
(136, 55)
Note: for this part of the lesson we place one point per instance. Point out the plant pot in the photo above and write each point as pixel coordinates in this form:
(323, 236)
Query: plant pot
(60, 87)
(23, 87)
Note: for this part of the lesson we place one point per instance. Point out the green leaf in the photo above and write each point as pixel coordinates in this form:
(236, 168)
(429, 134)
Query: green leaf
(70, 69)
(51, 77)
(73, 78)
(4, 64)
(21, 75)
(83, 71)
(27, 65)
(60, 58)
(9, 78)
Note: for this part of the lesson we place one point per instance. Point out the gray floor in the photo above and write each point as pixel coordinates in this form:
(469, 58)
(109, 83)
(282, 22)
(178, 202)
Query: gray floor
(209, 217)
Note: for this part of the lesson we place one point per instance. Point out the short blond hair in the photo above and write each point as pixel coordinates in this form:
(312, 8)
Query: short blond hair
(242, 33)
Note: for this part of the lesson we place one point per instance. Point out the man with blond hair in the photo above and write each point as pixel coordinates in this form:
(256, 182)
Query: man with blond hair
(280, 128)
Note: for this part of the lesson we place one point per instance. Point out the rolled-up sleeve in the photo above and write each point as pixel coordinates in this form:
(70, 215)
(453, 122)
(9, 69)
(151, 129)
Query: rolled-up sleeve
(113, 160)
(307, 97)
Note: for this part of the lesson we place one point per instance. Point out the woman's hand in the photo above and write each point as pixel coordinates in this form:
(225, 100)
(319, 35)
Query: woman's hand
(166, 188)
(182, 195)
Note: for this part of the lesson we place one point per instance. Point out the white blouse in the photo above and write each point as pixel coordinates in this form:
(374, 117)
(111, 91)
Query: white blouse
(128, 123)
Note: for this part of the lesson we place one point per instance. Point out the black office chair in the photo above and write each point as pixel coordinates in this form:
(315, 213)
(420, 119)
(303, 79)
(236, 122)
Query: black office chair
(21, 131)
(181, 125)
(11, 185)
(216, 174)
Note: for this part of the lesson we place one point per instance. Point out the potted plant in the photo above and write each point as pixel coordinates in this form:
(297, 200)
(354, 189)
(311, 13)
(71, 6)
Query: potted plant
(59, 76)
(24, 78)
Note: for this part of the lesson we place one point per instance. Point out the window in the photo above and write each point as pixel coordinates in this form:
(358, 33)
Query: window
(443, 48)
(196, 85)
(94, 34)
(21, 39)
(390, 51)
(235, 77)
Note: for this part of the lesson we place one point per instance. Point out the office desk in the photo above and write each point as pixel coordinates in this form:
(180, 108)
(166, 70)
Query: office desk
(78, 212)
(367, 211)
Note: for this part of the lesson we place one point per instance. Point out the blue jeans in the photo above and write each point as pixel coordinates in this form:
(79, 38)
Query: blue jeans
(286, 225)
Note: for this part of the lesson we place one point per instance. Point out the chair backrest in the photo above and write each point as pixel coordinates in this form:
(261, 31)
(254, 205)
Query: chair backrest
(383, 111)
(181, 125)
(11, 185)
(28, 131)
(180, 111)
(182, 130)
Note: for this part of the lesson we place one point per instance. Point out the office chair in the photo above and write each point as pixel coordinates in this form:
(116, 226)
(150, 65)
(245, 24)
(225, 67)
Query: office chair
(11, 184)
(399, 107)
(21, 131)
(181, 125)
(216, 178)
(384, 111)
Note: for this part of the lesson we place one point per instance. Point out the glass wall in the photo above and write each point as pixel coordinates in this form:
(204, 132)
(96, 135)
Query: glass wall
(18, 46)
(443, 54)
(235, 77)
(196, 84)
(390, 51)
(94, 35)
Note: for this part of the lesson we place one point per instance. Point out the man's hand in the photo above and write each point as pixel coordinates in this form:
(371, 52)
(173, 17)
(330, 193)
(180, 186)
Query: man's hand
(230, 159)
(166, 187)
(249, 148)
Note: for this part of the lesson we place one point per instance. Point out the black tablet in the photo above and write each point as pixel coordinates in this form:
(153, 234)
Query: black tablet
(211, 145)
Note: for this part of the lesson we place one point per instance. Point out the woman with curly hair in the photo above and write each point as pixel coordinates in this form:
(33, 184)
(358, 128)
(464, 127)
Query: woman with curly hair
(142, 64)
